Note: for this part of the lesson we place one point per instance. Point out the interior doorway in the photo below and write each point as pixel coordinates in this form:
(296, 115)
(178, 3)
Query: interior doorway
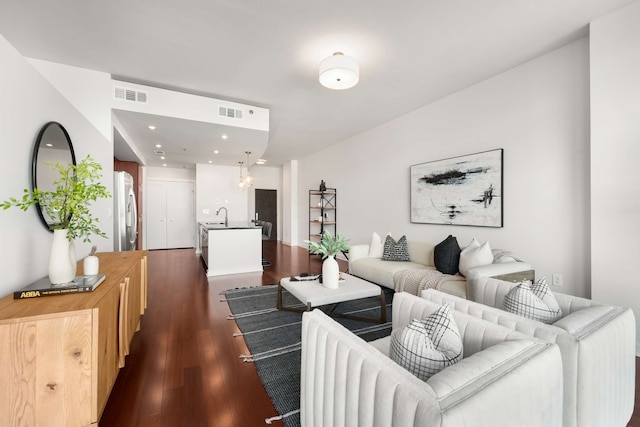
(267, 209)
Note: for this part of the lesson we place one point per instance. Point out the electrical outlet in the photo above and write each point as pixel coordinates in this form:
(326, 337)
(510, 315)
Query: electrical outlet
(217, 201)
(556, 280)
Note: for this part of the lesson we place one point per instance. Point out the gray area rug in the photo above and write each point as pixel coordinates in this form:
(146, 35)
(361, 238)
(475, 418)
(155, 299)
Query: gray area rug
(273, 338)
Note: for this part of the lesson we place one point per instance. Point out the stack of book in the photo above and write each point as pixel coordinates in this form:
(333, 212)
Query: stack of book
(44, 287)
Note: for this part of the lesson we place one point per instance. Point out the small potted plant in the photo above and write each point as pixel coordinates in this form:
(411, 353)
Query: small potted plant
(329, 246)
(68, 205)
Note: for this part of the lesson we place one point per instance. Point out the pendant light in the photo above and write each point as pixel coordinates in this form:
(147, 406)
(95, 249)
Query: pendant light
(241, 183)
(248, 180)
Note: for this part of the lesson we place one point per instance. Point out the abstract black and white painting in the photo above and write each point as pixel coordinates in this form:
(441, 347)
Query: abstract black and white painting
(464, 190)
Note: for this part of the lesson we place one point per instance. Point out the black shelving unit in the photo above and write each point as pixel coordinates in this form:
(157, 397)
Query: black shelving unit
(322, 213)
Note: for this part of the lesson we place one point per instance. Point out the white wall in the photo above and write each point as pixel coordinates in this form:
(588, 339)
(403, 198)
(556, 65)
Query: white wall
(170, 174)
(537, 112)
(29, 101)
(130, 149)
(217, 186)
(615, 152)
(89, 91)
(290, 217)
(266, 178)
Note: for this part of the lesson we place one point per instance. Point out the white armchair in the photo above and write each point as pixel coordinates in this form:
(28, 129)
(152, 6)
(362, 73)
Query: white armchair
(597, 343)
(505, 378)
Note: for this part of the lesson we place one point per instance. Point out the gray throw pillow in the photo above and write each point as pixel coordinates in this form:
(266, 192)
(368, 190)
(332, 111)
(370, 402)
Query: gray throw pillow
(425, 347)
(395, 251)
(446, 255)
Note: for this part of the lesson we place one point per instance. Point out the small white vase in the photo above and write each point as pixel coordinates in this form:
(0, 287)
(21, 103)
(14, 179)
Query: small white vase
(90, 265)
(62, 261)
(330, 273)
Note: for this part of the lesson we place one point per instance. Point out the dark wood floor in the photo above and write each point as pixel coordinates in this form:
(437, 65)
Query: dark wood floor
(183, 369)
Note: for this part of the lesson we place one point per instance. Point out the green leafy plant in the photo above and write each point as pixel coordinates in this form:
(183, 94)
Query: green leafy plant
(68, 205)
(328, 245)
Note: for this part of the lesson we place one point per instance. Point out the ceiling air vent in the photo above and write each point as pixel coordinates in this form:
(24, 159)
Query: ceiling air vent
(230, 112)
(129, 95)
(159, 152)
(142, 96)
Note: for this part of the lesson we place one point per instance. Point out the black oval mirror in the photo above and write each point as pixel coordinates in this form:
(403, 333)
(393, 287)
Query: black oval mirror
(52, 146)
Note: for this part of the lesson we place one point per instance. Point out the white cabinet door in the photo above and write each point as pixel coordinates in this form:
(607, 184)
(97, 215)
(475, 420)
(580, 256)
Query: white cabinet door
(180, 215)
(156, 213)
(170, 215)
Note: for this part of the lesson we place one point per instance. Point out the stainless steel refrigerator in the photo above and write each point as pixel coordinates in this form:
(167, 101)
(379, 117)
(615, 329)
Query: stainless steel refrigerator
(125, 221)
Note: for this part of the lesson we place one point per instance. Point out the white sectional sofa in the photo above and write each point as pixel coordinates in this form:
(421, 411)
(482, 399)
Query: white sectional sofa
(597, 343)
(382, 272)
(505, 378)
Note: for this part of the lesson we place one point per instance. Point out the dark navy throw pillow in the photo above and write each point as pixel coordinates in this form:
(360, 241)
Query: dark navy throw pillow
(446, 255)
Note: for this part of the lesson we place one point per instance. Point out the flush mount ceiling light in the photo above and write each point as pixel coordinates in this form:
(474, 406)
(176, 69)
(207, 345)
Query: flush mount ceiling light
(339, 72)
(261, 162)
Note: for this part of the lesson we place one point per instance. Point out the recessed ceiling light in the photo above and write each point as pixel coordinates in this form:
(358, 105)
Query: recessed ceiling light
(161, 157)
(210, 161)
(215, 151)
(261, 162)
(152, 127)
(164, 164)
(224, 136)
(158, 145)
(49, 145)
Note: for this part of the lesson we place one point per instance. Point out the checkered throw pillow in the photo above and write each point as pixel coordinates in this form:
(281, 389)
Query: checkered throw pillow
(425, 347)
(533, 301)
(395, 251)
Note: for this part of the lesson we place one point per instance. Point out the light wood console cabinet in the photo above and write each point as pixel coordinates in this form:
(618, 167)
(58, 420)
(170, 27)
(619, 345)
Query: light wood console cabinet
(60, 355)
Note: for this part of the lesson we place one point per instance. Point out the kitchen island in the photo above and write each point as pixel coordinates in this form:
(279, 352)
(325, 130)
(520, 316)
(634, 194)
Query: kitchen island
(231, 248)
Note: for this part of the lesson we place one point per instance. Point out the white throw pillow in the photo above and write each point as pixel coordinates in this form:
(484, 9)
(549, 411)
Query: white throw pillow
(376, 246)
(533, 301)
(425, 347)
(475, 255)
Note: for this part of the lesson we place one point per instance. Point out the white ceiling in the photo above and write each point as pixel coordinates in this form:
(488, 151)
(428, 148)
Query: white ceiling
(266, 53)
(183, 143)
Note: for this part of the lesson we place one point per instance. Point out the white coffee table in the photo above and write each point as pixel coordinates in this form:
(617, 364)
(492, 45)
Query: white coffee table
(313, 294)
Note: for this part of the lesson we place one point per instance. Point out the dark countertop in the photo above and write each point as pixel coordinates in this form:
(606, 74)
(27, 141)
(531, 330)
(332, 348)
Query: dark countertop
(233, 225)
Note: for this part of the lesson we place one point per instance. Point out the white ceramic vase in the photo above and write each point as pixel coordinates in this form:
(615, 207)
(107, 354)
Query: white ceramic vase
(91, 265)
(330, 273)
(62, 261)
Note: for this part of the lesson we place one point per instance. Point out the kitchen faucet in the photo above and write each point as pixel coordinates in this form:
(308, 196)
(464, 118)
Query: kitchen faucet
(226, 220)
